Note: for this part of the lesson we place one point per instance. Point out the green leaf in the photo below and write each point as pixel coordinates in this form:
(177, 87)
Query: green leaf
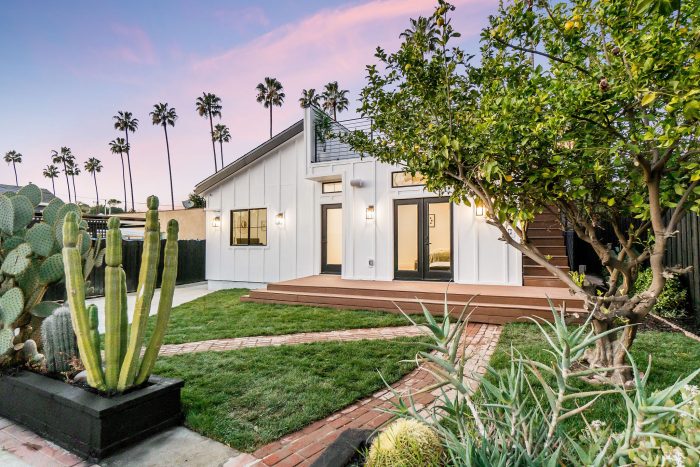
(648, 98)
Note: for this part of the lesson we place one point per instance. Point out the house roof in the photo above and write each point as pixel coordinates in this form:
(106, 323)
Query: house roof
(250, 157)
(46, 195)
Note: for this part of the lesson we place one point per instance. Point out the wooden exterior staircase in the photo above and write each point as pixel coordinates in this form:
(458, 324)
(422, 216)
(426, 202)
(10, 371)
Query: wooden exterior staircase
(545, 233)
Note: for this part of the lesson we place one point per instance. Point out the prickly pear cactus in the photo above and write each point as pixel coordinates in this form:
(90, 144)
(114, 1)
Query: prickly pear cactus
(30, 261)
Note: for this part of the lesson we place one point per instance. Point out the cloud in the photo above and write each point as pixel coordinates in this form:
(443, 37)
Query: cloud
(134, 46)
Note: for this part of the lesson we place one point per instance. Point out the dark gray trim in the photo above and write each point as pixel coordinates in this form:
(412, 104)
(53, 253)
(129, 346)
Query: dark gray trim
(250, 157)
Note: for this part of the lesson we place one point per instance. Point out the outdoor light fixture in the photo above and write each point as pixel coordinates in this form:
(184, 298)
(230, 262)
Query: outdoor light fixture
(279, 219)
(479, 208)
(370, 213)
(216, 222)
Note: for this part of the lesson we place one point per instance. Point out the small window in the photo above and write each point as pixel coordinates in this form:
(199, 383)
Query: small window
(249, 227)
(400, 179)
(332, 187)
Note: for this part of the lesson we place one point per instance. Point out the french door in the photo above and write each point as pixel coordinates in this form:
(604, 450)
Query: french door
(423, 239)
(331, 238)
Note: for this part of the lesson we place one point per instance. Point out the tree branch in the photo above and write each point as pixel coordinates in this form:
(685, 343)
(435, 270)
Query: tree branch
(543, 54)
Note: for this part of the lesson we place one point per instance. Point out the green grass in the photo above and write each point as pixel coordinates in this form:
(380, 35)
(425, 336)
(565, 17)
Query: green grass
(221, 315)
(673, 356)
(248, 398)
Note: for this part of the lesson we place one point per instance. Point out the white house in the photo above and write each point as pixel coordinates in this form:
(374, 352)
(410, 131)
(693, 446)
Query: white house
(298, 206)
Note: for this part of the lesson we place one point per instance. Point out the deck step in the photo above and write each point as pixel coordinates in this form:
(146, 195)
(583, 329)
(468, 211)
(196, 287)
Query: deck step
(557, 260)
(534, 297)
(536, 270)
(543, 281)
(482, 312)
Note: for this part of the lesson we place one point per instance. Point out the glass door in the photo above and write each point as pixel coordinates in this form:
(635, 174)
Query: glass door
(331, 238)
(423, 239)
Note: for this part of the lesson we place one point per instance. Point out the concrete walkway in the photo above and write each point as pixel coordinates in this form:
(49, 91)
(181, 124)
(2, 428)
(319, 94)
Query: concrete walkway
(183, 294)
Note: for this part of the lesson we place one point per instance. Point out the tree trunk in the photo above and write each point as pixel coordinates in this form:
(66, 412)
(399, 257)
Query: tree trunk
(126, 205)
(170, 170)
(14, 166)
(53, 186)
(97, 194)
(221, 152)
(128, 162)
(211, 135)
(67, 182)
(270, 120)
(75, 193)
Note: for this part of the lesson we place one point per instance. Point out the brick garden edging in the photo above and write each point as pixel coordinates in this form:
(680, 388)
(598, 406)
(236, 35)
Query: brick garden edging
(305, 446)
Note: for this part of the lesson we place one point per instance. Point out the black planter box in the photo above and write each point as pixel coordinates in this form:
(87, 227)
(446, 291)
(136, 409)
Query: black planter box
(86, 423)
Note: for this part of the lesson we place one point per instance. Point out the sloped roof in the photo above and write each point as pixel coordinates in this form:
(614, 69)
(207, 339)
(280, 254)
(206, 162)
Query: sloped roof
(250, 157)
(46, 195)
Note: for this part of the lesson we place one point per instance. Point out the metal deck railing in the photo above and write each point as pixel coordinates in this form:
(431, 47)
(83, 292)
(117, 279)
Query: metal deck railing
(328, 145)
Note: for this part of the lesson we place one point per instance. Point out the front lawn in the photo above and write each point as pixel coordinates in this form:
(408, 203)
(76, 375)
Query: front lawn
(221, 315)
(673, 356)
(248, 398)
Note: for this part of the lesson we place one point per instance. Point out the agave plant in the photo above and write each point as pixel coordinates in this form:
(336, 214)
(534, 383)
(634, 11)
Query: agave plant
(516, 417)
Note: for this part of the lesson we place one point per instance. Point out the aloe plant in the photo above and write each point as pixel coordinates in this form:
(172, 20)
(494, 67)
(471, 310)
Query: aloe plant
(123, 365)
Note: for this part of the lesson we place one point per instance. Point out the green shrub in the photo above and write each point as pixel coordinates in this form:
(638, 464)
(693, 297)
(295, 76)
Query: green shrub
(405, 443)
(673, 301)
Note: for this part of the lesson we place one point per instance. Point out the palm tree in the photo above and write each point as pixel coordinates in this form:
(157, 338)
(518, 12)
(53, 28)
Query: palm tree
(222, 135)
(94, 166)
(270, 93)
(422, 32)
(334, 99)
(209, 106)
(73, 170)
(119, 146)
(308, 98)
(60, 158)
(124, 121)
(14, 158)
(164, 115)
(51, 171)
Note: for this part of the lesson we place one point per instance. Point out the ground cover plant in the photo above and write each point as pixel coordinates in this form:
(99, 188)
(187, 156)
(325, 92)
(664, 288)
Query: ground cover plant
(588, 109)
(247, 398)
(222, 315)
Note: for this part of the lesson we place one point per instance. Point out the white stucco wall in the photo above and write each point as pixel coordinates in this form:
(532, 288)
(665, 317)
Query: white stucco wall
(286, 181)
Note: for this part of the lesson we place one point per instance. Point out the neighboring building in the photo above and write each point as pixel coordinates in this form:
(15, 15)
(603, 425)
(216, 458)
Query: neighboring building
(191, 223)
(46, 195)
(297, 206)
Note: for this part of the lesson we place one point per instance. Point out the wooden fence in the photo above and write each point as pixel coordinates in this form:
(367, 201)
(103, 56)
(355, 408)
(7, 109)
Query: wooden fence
(190, 267)
(684, 249)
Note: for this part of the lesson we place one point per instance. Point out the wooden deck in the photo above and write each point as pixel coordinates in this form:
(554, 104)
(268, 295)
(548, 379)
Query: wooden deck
(495, 304)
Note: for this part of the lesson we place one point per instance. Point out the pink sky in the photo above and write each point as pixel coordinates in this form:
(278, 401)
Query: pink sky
(134, 70)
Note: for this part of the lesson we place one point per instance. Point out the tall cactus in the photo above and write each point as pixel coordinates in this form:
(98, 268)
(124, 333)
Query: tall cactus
(75, 286)
(123, 367)
(167, 289)
(144, 294)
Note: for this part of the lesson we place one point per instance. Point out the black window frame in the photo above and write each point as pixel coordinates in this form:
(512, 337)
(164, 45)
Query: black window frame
(394, 185)
(232, 227)
(337, 182)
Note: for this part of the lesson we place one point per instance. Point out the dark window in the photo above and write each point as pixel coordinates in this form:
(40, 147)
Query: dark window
(401, 179)
(249, 227)
(332, 187)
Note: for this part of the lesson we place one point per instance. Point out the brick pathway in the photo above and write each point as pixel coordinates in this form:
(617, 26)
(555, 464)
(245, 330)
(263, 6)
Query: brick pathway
(32, 449)
(300, 448)
(220, 345)
(305, 446)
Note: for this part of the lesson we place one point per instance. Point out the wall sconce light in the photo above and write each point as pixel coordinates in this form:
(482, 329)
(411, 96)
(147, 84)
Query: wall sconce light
(216, 222)
(370, 213)
(279, 219)
(479, 208)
